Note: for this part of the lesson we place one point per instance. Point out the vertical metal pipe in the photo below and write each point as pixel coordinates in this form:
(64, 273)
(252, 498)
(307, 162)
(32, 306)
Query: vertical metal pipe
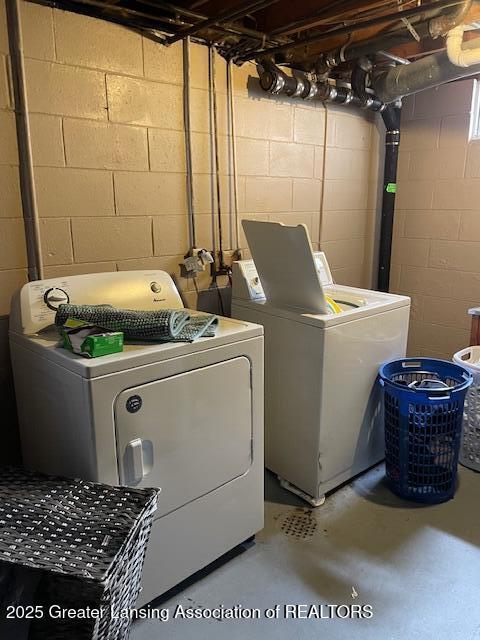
(211, 64)
(211, 128)
(27, 176)
(391, 118)
(233, 136)
(188, 141)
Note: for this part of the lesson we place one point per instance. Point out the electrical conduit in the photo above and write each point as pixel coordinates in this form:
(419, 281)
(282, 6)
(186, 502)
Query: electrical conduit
(27, 177)
(233, 138)
(188, 142)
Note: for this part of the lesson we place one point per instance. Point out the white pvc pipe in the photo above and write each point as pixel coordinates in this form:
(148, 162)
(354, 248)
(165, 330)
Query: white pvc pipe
(457, 54)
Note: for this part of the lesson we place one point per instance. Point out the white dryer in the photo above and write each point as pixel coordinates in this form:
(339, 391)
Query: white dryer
(323, 418)
(187, 418)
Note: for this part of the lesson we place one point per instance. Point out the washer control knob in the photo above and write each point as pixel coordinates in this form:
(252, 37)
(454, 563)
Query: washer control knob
(155, 287)
(256, 281)
(54, 297)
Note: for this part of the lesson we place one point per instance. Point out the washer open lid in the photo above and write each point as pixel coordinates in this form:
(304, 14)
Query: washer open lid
(286, 265)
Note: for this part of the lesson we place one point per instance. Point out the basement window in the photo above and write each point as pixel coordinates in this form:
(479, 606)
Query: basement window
(475, 113)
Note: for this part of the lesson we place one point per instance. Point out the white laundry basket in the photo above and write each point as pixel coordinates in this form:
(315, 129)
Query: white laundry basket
(470, 445)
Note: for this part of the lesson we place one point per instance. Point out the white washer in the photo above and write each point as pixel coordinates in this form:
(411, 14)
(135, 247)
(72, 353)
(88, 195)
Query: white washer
(323, 419)
(187, 418)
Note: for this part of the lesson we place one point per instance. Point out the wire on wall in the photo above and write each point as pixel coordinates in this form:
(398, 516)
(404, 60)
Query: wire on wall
(188, 142)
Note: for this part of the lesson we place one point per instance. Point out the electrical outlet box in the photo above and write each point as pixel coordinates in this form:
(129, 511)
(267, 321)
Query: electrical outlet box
(197, 261)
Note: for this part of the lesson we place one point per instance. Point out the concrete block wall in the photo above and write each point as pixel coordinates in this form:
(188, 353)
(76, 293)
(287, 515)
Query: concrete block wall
(436, 246)
(106, 113)
(108, 141)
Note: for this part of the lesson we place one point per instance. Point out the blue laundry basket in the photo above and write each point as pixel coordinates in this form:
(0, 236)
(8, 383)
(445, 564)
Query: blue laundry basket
(423, 401)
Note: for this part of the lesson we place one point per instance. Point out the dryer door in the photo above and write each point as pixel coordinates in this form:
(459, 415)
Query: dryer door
(187, 434)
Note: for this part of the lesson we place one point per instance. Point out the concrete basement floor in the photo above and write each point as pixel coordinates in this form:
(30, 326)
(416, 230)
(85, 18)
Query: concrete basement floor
(419, 568)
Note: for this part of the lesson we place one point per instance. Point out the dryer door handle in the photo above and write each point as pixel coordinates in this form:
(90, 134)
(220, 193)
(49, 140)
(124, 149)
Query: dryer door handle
(138, 460)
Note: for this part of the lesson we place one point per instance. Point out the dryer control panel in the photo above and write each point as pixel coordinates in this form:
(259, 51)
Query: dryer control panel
(35, 305)
(246, 283)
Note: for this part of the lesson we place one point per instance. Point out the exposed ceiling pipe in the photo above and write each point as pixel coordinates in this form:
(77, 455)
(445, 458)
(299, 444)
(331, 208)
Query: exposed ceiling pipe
(305, 21)
(360, 79)
(373, 45)
(176, 9)
(334, 13)
(149, 24)
(225, 27)
(426, 73)
(346, 30)
(441, 25)
(275, 81)
(392, 57)
(233, 13)
(123, 13)
(425, 27)
(458, 54)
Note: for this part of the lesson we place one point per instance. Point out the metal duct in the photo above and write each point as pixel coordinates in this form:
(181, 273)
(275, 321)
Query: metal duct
(426, 73)
(275, 81)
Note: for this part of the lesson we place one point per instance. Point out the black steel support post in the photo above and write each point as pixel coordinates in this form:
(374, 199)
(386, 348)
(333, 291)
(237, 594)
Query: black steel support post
(391, 118)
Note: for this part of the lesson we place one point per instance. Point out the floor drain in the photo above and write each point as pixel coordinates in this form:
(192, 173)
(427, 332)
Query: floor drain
(299, 525)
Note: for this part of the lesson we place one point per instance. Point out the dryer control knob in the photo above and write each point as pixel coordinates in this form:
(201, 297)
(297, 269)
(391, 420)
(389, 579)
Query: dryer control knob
(155, 287)
(54, 297)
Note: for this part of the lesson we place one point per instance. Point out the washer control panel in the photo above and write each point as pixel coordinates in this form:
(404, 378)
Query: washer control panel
(35, 306)
(245, 281)
(247, 285)
(323, 268)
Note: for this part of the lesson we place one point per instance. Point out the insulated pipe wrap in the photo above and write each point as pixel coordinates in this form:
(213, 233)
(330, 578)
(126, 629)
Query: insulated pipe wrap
(426, 73)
